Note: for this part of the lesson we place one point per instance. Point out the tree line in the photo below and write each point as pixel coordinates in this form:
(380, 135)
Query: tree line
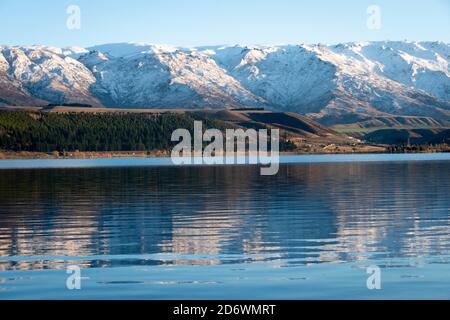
(47, 132)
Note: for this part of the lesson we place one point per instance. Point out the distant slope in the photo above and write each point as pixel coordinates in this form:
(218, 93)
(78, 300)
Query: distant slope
(413, 136)
(290, 123)
(363, 121)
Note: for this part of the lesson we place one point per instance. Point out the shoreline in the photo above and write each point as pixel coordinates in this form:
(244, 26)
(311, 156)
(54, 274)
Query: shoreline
(55, 155)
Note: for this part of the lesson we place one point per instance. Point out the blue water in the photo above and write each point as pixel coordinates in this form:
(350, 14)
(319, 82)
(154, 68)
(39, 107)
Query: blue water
(139, 162)
(142, 229)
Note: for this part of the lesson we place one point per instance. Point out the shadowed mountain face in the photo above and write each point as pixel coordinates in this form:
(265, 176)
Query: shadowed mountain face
(329, 83)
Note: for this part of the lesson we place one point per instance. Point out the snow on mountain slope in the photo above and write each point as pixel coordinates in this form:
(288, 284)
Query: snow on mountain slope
(161, 77)
(47, 74)
(361, 87)
(11, 91)
(371, 78)
(290, 78)
(334, 80)
(420, 65)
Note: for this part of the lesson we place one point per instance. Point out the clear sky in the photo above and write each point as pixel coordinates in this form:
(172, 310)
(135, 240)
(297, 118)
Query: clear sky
(214, 22)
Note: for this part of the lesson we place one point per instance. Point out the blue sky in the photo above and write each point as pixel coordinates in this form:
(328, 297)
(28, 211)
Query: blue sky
(211, 22)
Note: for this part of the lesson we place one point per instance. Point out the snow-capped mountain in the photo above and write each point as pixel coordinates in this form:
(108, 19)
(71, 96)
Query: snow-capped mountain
(329, 83)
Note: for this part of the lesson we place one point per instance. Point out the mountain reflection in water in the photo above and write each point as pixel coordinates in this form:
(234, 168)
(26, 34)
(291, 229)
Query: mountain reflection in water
(306, 215)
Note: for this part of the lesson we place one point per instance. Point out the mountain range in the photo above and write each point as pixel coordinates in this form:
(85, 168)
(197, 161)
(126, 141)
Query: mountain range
(334, 84)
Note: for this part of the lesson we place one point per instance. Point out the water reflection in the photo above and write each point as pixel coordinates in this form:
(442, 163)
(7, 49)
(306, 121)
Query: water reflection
(307, 214)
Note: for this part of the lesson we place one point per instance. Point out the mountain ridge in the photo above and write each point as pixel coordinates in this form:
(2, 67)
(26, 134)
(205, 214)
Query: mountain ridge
(327, 83)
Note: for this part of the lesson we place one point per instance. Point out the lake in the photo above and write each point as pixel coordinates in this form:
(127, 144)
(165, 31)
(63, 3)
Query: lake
(143, 229)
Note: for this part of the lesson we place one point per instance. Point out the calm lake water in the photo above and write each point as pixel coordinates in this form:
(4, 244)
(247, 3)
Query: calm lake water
(141, 229)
